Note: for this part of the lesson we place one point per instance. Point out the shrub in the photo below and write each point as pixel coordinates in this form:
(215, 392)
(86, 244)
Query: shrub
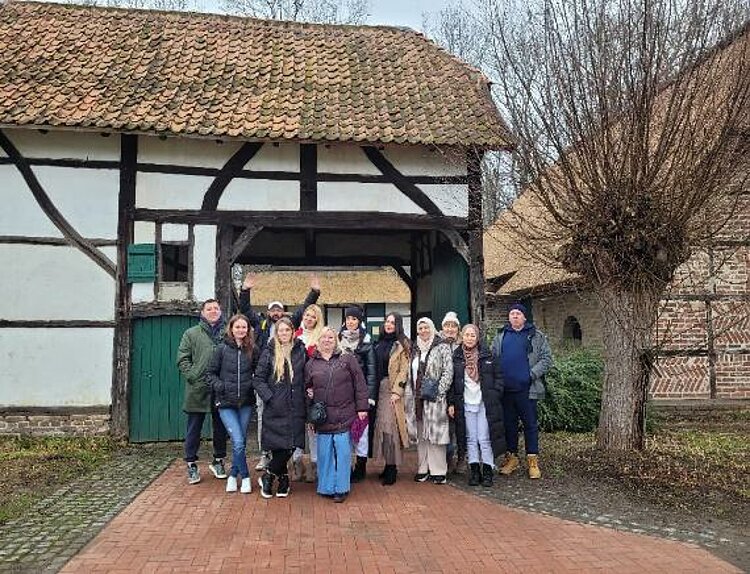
(574, 390)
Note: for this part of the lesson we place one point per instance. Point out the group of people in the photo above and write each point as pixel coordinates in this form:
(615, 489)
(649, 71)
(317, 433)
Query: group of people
(336, 393)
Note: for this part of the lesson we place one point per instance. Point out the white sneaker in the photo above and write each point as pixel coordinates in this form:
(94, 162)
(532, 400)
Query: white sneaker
(262, 463)
(246, 488)
(232, 484)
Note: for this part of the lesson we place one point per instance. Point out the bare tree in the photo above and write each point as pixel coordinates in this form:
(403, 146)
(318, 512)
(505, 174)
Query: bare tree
(324, 11)
(630, 117)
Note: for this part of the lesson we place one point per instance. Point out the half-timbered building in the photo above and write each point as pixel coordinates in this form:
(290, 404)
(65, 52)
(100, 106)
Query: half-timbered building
(143, 154)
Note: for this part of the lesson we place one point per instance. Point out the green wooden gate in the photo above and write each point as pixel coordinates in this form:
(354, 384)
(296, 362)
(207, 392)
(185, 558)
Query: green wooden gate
(450, 285)
(156, 387)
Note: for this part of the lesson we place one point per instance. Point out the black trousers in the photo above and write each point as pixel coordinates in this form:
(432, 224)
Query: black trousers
(279, 460)
(193, 435)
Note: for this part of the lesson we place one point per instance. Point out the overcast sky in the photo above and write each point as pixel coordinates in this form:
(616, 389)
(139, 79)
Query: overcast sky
(403, 12)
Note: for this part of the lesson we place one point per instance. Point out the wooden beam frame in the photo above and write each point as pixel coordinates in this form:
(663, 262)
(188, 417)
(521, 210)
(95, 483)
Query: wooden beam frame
(475, 243)
(230, 170)
(243, 240)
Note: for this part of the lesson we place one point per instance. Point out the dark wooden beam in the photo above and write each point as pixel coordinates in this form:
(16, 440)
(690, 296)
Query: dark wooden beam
(49, 209)
(55, 324)
(53, 241)
(230, 170)
(362, 220)
(329, 261)
(223, 280)
(308, 167)
(475, 242)
(120, 423)
(243, 240)
(400, 181)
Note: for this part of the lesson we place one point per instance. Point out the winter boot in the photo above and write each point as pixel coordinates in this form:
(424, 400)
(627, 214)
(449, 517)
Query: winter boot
(311, 472)
(534, 470)
(487, 472)
(389, 474)
(298, 470)
(510, 463)
(474, 474)
(360, 469)
(282, 491)
(266, 484)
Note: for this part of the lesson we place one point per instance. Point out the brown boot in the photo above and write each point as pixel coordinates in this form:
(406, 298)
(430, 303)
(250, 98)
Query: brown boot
(311, 472)
(298, 470)
(534, 470)
(510, 463)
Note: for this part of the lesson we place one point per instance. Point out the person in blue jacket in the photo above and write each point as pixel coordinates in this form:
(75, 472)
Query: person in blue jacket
(525, 357)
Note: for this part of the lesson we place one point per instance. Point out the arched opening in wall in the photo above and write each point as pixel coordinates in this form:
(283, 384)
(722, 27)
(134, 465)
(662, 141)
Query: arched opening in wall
(572, 333)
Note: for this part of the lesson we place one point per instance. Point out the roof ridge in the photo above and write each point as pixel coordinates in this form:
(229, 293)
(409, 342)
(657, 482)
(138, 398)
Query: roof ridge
(214, 15)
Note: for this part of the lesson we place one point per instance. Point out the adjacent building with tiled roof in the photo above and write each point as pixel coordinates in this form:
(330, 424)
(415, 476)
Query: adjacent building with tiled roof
(219, 76)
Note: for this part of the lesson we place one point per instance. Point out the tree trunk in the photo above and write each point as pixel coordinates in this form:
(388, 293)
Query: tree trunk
(628, 321)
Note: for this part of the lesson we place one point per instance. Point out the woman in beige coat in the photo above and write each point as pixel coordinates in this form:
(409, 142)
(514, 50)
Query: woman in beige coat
(392, 371)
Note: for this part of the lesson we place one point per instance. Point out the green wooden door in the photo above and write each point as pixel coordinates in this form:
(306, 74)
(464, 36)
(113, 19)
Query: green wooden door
(450, 285)
(156, 387)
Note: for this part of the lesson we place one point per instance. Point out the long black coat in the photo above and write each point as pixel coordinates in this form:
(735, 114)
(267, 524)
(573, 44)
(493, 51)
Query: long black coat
(491, 381)
(284, 402)
(230, 374)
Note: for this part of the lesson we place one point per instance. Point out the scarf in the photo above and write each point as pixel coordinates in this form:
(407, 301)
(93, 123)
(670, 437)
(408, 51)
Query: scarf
(425, 346)
(215, 331)
(471, 357)
(349, 340)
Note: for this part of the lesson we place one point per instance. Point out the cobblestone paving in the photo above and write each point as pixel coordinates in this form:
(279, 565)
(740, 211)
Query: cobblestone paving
(57, 527)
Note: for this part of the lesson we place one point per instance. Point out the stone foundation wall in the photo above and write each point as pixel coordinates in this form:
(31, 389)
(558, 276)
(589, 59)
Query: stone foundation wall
(54, 422)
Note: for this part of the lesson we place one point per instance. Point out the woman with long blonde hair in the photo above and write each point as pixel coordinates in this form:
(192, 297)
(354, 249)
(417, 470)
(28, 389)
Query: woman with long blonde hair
(279, 382)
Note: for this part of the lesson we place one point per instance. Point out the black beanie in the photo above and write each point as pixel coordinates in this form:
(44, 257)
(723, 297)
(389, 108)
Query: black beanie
(519, 307)
(354, 311)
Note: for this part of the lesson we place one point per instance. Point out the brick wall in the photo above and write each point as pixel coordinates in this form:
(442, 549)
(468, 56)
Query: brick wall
(54, 422)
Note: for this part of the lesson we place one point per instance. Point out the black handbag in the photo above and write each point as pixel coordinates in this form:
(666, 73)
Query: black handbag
(428, 391)
(316, 412)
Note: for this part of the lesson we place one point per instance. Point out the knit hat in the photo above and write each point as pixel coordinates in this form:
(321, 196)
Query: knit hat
(450, 317)
(518, 307)
(273, 304)
(354, 311)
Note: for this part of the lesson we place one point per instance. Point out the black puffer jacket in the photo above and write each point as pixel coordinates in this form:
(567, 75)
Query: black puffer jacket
(285, 404)
(230, 375)
(491, 381)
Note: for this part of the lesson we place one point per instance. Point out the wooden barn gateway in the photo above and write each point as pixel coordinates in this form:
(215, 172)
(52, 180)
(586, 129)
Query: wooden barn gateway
(143, 154)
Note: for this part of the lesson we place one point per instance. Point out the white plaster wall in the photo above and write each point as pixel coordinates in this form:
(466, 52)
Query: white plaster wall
(420, 160)
(87, 198)
(344, 158)
(174, 232)
(54, 282)
(260, 195)
(185, 151)
(20, 213)
(166, 191)
(65, 144)
(142, 292)
(56, 367)
(271, 157)
(452, 199)
(383, 197)
(204, 262)
(144, 232)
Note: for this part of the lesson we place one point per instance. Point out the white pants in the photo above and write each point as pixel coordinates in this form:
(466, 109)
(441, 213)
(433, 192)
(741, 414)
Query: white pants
(478, 435)
(259, 410)
(431, 456)
(363, 445)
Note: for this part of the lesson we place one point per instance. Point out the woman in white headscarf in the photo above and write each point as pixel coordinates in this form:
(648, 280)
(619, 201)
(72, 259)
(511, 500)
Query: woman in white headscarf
(431, 364)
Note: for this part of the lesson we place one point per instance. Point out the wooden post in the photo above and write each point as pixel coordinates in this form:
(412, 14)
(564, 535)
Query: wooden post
(476, 249)
(119, 424)
(223, 280)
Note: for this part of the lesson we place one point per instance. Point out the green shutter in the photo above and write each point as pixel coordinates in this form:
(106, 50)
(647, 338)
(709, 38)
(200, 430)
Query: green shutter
(142, 263)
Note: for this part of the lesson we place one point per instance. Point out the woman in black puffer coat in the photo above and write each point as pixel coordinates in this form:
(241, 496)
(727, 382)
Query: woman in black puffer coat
(279, 382)
(230, 376)
(475, 403)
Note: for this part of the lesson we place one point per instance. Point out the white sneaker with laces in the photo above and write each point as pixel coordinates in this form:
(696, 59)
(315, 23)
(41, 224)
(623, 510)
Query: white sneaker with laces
(246, 488)
(232, 484)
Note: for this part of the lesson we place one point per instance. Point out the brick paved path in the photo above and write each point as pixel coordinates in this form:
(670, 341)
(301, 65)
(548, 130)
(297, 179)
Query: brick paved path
(410, 527)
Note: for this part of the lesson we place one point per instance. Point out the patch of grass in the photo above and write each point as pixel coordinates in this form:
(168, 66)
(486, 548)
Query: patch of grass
(33, 467)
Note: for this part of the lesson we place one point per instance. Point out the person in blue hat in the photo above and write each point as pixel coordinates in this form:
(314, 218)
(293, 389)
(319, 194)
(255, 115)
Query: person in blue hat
(524, 355)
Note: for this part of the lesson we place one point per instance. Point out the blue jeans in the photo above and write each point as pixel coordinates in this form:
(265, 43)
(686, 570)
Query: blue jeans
(517, 404)
(334, 463)
(236, 422)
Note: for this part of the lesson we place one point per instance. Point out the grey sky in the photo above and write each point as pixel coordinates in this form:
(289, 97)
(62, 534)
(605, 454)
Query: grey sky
(403, 12)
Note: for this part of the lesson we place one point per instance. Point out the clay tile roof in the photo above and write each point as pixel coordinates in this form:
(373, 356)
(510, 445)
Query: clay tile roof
(214, 76)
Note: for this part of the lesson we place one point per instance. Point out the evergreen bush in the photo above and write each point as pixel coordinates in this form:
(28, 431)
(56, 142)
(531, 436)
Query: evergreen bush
(574, 390)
